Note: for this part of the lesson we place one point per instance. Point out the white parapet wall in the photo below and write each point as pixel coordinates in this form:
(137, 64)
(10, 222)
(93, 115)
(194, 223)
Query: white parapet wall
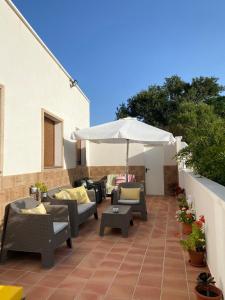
(209, 200)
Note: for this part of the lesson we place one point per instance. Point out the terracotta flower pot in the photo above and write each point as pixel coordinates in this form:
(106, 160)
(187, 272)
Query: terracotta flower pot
(197, 258)
(201, 292)
(186, 228)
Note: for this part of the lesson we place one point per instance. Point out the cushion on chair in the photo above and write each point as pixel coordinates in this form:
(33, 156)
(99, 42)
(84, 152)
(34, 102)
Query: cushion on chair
(63, 195)
(120, 179)
(38, 210)
(84, 207)
(79, 194)
(128, 201)
(129, 193)
(59, 226)
(11, 292)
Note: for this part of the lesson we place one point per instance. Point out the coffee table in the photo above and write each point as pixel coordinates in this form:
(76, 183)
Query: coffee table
(122, 219)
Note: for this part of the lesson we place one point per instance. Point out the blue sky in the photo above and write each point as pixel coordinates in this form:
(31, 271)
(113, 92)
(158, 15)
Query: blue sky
(115, 48)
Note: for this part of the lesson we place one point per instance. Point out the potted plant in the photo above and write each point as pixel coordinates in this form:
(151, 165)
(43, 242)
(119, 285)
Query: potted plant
(195, 244)
(206, 288)
(186, 217)
(182, 200)
(41, 186)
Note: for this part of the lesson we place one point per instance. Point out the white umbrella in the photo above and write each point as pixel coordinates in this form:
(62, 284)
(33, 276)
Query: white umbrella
(127, 129)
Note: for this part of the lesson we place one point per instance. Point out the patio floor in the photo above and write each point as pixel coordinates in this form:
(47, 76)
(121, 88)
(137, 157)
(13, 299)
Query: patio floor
(149, 264)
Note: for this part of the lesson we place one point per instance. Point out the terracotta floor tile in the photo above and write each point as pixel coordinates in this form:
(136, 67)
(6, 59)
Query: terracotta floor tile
(96, 287)
(89, 296)
(130, 267)
(128, 278)
(51, 281)
(147, 293)
(152, 269)
(83, 273)
(134, 258)
(178, 284)
(104, 274)
(30, 278)
(11, 275)
(73, 283)
(174, 295)
(39, 293)
(62, 269)
(121, 291)
(63, 294)
(115, 256)
(150, 280)
(110, 264)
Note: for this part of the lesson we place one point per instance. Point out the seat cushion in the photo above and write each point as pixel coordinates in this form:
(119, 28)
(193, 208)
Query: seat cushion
(84, 207)
(130, 193)
(128, 201)
(59, 226)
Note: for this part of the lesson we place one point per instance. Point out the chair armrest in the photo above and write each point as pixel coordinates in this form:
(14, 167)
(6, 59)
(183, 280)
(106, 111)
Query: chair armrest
(115, 196)
(59, 213)
(91, 195)
(142, 196)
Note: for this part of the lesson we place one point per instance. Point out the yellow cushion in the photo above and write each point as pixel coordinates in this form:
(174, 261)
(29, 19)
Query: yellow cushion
(38, 210)
(79, 194)
(130, 193)
(11, 292)
(63, 195)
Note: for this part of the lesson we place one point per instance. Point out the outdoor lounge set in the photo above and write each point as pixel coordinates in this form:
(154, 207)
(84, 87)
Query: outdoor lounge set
(41, 226)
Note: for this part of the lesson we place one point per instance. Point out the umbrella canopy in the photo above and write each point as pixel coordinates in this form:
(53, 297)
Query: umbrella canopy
(125, 130)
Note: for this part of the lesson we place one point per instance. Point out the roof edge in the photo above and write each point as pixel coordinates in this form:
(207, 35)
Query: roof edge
(37, 37)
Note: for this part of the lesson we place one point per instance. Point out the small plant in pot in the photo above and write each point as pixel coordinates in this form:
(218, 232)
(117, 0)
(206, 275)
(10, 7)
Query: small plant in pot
(195, 244)
(42, 189)
(182, 201)
(179, 191)
(206, 288)
(186, 217)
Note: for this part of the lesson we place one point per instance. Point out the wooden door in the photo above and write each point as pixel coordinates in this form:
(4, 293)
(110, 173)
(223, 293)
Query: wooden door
(49, 142)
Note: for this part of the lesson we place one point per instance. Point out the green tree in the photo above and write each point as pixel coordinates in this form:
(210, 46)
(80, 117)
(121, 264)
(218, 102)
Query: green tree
(205, 152)
(188, 117)
(160, 104)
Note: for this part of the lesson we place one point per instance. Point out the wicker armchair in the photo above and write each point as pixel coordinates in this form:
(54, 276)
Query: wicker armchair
(35, 232)
(138, 205)
(78, 213)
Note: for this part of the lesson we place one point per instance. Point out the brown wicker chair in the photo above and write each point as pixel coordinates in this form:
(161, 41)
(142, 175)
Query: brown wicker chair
(35, 233)
(78, 213)
(138, 205)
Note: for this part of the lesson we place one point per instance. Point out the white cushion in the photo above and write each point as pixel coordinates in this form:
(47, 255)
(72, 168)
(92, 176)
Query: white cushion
(122, 201)
(59, 226)
(84, 207)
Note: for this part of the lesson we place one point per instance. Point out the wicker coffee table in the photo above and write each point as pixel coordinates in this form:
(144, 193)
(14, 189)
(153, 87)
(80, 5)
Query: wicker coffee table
(121, 219)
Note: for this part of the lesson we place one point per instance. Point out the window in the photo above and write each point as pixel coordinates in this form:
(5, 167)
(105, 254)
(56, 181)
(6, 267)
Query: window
(53, 141)
(81, 153)
(1, 127)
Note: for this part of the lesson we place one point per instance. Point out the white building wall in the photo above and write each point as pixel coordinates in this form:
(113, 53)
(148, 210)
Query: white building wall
(33, 80)
(108, 154)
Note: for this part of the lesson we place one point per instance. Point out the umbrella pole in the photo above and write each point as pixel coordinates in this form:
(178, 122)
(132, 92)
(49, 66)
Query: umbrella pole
(127, 155)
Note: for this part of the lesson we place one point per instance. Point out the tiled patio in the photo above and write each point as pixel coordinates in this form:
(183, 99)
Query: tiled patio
(149, 264)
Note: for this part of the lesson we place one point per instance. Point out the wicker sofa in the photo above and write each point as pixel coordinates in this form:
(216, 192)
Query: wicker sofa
(78, 213)
(40, 233)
